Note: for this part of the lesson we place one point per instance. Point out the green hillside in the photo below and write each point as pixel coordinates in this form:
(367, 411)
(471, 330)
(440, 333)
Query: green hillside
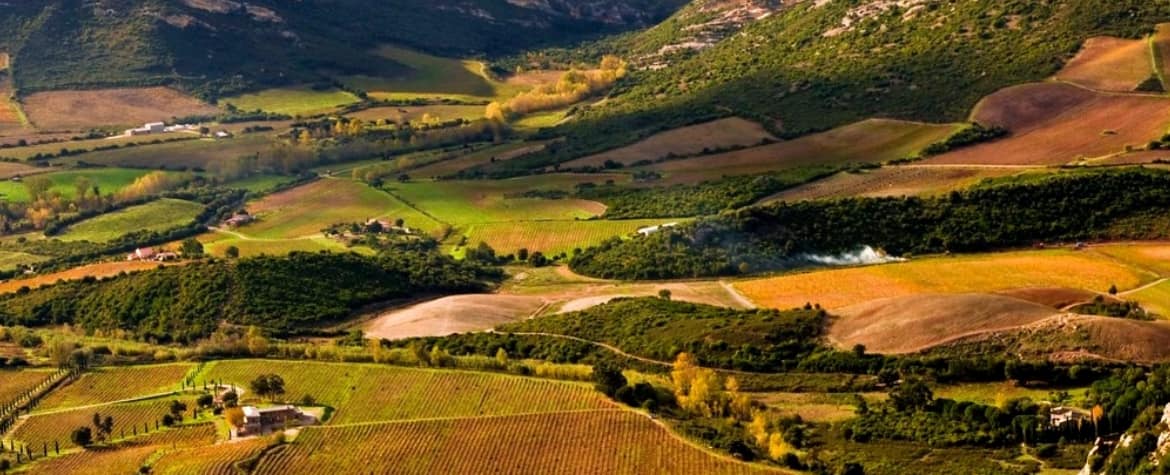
(802, 69)
(218, 47)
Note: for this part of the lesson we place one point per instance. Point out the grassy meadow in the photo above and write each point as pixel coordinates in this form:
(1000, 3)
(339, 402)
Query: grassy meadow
(306, 210)
(433, 77)
(108, 180)
(293, 101)
(159, 215)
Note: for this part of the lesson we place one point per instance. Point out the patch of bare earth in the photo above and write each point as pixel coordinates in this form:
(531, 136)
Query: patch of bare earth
(1072, 338)
(691, 140)
(890, 181)
(1110, 64)
(1054, 297)
(77, 110)
(916, 323)
(456, 314)
(1055, 124)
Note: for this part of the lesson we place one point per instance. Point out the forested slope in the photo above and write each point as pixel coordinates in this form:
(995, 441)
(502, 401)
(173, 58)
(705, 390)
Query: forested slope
(1128, 203)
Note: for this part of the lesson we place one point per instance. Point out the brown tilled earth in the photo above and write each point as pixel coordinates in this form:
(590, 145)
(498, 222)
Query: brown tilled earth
(891, 181)
(1110, 64)
(691, 140)
(915, 323)
(78, 110)
(1055, 124)
(1054, 297)
(457, 314)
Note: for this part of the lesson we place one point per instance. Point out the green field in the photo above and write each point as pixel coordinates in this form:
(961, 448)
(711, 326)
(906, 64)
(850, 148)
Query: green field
(158, 215)
(551, 237)
(1155, 299)
(10, 260)
(416, 113)
(293, 100)
(481, 201)
(108, 180)
(23, 153)
(187, 154)
(306, 210)
(259, 183)
(433, 77)
(217, 244)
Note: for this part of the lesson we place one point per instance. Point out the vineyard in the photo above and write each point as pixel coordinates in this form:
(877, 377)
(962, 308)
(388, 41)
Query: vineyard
(115, 384)
(48, 429)
(364, 393)
(97, 462)
(216, 459)
(603, 441)
(13, 384)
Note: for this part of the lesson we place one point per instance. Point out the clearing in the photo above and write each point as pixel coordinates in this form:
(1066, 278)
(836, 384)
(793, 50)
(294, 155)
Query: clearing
(839, 288)
(294, 101)
(869, 141)
(721, 134)
(604, 441)
(456, 314)
(1110, 64)
(308, 209)
(1055, 124)
(903, 180)
(160, 215)
(80, 110)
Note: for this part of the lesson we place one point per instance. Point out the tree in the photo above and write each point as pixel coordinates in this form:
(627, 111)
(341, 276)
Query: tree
(234, 416)
(205, 400)
(859, 350)
(191, 248)
(522, 254)
(494, 112)
(102, 427)
(608, 378)
(177, 409)
(664, 294)
(230, 398)
(232, 252)
(268, 385)
(1113, 289)
(82, 437)
(502, 357)
(912, 394)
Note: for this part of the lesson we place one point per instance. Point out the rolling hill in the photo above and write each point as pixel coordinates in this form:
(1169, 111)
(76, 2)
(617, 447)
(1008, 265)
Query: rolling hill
(215, 47)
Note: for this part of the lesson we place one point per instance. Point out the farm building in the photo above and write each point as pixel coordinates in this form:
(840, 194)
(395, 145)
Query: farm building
(262, 420)
(239, 220)
(648, 230)
(148, 128)
(1061, 415)
(141, 254)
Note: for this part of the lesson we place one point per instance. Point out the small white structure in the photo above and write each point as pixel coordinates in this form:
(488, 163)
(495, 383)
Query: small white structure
(263, 420)
(147, 129)
(648, 230)
(142, 254)
(1060, 415)
(223, 134)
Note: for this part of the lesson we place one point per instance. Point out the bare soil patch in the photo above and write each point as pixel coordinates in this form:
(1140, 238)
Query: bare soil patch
(912, 324)
(1054, 297)
(690, 140)
(1110, 64)
(1054, 124)
(891, 181)
(869, 141)
(76, 110)
(456, 314)
(11, 169)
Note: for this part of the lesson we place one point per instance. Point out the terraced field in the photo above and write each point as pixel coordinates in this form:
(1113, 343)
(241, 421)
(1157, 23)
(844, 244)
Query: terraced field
(607, 441)
(159, 215)
(182, 155)
(117, 383)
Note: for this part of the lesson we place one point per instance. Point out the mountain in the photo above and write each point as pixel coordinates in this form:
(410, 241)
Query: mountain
(213, 47)
(811, 66)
